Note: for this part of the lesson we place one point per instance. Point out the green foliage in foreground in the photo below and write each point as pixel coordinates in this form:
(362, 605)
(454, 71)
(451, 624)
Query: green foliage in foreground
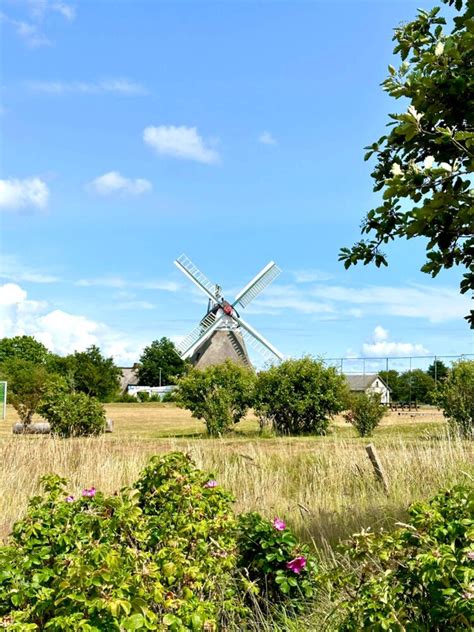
(300, 396)
(456, 398)
(73, 414)
(421, 576)
(365, 413)
(23, 348)
(161, 556)
(220, 394)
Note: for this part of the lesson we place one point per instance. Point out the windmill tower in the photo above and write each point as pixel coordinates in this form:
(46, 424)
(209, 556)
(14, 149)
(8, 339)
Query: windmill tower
(222, 334)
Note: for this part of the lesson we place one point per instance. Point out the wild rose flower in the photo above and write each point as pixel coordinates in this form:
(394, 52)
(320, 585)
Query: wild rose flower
(89, 492)
(210, 484)
(470, 555)
(297, 564)
(468, 594)
(279, 524)
(69, 499)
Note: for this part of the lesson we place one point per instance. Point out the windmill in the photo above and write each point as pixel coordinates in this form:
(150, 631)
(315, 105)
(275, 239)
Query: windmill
(222, 334)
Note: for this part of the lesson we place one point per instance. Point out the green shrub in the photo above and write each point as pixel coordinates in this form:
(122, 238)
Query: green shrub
(73, 414)
(220, 394)
(421, 576)
(300, 396)
(169, 397)
(365, 413)
(455, 396)
(155, 397)
(143, 396)
(279, 566)
(126, 398)
(161, 556)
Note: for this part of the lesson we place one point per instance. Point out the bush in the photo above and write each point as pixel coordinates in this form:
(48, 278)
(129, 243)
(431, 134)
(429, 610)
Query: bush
(73, 414)
(28, 383)
(143, 396)
(159, 557)
(280, 567)
(220, 394)
(421, 577)
(126, 398)
(455, 396)
(165, 555)
(365, 413)
(300, 396)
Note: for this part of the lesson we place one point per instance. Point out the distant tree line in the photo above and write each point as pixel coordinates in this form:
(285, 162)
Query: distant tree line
(416, 385)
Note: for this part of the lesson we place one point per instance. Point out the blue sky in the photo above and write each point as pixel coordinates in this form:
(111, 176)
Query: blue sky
(231, 131)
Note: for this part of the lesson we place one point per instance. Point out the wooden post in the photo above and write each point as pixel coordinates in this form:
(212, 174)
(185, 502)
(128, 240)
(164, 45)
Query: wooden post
(377, 465)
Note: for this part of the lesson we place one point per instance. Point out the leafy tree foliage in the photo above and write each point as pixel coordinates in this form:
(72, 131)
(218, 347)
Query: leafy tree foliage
(300, 396)
(160, 358)
(456, 397)
(95, 375)
(28, 383)
(424, 162)
(23, 348)
(365, 412)
(438, 370)
(391, 379)
(220, 394)
(415, 386)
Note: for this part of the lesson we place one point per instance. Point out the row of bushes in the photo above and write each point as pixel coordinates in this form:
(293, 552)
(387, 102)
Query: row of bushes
(302, 396)
(170, 554)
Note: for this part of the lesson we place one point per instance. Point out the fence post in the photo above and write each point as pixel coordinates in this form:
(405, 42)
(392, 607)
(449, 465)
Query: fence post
(377, 465)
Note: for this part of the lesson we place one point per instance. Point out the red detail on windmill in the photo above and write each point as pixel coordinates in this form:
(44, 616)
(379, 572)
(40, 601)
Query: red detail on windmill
(227, 308)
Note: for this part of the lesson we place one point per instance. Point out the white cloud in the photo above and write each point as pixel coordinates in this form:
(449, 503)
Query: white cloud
(267, 139)
(31, 30)
(119, 85)
(12, 268)
(39, 8)
(30, 192)
(433, 303)
(308, 276)
(11, 294)
(119, 282)
(179, 142)
(382, 346)
(114, 182)
(60, 331)
(278, 298)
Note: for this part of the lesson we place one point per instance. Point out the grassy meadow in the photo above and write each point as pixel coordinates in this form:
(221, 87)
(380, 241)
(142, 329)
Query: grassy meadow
(323, 486)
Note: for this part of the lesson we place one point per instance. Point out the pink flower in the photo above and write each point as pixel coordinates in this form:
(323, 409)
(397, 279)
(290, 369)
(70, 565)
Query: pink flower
(470, 555)
(69, 499)
(89, 492)
(210, 484)
(468, 594)
(297, 564)
(279, 524)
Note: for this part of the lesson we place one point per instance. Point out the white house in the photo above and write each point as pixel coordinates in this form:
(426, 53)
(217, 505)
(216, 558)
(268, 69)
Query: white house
(364, 383)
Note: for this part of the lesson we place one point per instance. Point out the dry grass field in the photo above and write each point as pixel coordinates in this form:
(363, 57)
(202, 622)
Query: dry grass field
(323, 486)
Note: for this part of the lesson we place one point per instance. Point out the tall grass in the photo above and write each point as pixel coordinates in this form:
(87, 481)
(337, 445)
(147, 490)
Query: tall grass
(325, 490)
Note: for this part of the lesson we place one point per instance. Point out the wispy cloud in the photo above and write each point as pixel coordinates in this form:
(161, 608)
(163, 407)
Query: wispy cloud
(113, 182)
(311, 276)
(180, 142)
(267, 139)
(17, 194)
(380, 345)
(120, 86)
(11, 268)
(30, 28)
(121, 283)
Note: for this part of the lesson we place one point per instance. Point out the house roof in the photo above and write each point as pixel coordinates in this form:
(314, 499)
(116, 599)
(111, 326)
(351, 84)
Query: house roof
(129, 376)
(361, 382)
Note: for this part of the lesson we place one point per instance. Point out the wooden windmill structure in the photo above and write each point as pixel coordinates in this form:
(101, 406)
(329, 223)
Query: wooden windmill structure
(222, 334)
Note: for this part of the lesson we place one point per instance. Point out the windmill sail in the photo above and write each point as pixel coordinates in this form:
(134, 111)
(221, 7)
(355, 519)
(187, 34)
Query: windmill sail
(257, 341)
(185, 264)
(186, 346)
(257, 284)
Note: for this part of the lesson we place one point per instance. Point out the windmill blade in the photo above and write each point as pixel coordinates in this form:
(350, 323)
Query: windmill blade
(257, 284)
(188, 268)
(198, 334)
(256, 340)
